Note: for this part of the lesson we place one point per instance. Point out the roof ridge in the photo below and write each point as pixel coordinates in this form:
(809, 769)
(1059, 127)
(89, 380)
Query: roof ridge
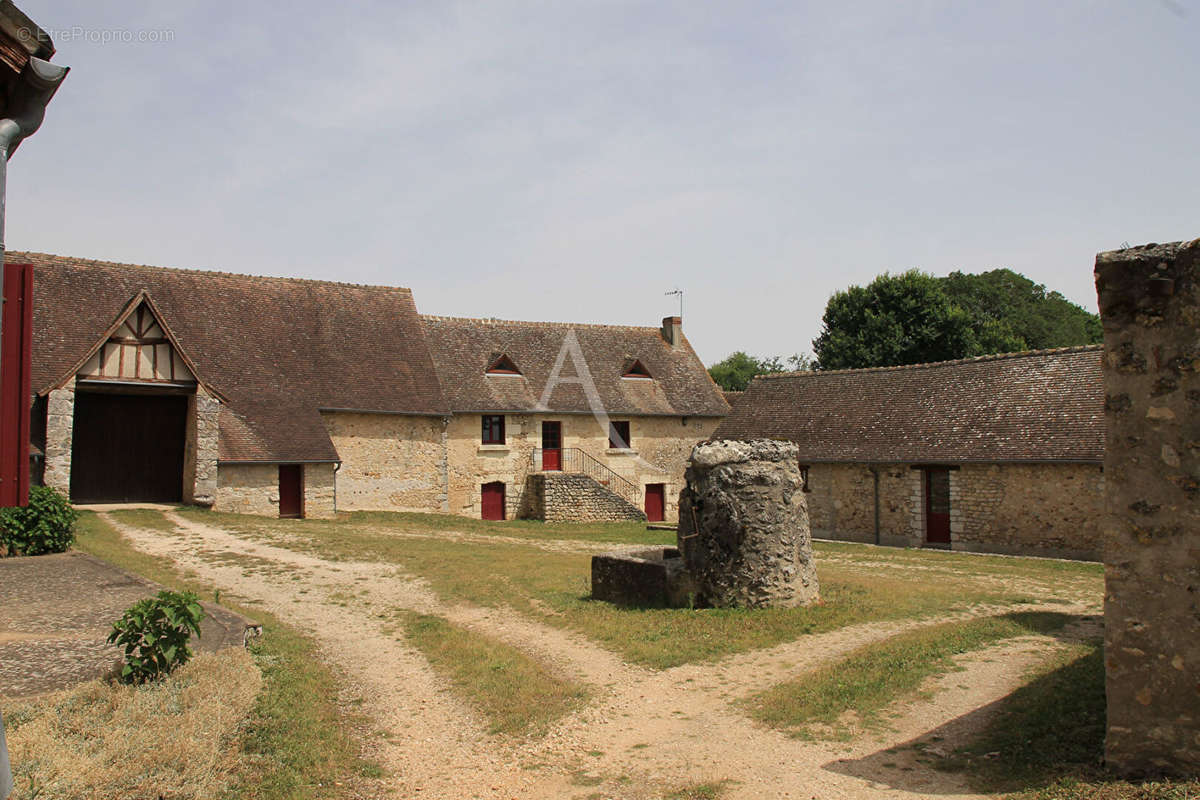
(68, 260)
(535, 323)
(1078, 348)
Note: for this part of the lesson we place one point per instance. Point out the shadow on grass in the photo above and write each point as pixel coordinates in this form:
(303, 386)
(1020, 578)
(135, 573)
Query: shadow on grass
(1049, 731)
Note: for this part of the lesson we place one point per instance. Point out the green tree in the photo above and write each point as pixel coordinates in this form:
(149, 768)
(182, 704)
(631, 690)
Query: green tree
(914, 317)
(1016, 308)
(734, 372)
(894, 320)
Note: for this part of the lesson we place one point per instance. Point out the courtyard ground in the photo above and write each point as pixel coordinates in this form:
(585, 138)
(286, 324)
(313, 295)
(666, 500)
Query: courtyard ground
(479, 668)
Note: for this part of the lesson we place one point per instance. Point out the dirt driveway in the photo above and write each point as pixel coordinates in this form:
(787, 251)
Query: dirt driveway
(643, 732)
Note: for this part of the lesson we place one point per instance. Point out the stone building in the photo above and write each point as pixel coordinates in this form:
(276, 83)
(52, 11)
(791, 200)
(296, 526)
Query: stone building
(998, 453)
(298, 398)
(623, 405)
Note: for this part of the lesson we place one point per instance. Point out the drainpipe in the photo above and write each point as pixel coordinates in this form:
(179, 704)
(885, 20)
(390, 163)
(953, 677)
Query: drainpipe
(875, 475)
(27, 108)
(336, 467)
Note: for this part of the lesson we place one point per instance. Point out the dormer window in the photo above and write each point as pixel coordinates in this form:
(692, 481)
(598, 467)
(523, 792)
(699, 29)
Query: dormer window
(636, 369)
(501, 364)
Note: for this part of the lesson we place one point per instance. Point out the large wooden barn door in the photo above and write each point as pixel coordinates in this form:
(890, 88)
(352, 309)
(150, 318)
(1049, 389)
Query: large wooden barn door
(128, 448)
(937, 505)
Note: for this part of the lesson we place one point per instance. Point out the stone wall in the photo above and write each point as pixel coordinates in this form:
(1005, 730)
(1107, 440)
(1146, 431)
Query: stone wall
(254, 489)
(60, 425)
(1150, 306)
(201, 449)
(1024, 509)
(390, 462)
(563, 497)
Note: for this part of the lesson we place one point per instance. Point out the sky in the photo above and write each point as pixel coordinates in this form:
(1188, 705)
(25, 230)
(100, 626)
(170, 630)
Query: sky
(576, 160)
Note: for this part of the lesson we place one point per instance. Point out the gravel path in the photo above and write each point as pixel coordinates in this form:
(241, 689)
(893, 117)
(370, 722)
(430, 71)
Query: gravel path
(644, 730)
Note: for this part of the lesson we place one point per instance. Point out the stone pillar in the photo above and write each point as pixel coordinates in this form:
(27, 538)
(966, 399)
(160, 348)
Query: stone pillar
(60, 425)
(1150, 305)
(743, 525)
(200, 454)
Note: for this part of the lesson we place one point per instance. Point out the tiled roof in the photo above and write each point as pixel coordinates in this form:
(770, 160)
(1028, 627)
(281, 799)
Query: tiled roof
(1045, 405)
(463, 348)
(732, 397)
(277, 349)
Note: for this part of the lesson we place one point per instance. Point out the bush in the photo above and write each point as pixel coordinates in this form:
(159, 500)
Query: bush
(155, 633)
(46, 525)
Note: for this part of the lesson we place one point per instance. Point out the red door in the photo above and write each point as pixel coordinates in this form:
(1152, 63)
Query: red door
(937, 505)
(291, 491)
(492, 505)
(17, 338)
(656, 502)
(551, 446)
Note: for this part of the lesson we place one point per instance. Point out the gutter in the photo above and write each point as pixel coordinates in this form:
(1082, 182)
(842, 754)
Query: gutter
(26, 109)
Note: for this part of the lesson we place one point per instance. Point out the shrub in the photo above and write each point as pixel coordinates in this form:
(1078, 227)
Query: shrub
(46, 525)
(155, 633)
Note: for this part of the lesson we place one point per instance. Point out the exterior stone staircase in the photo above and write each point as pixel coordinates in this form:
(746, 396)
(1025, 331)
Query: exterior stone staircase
(573, 497)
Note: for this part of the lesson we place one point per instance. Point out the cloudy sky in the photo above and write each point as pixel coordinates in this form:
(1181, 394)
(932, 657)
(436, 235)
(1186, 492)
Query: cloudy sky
(574, 160)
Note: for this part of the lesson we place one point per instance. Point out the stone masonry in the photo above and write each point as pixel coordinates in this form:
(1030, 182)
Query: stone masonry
(743, 525)
(567, 497)
(60, 425)
(1150, 306)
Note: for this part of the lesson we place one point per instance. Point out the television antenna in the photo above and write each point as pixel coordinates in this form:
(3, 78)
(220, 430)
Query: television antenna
(679, 292)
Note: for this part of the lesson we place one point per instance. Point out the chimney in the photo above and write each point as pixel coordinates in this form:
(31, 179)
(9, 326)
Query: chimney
(672, 330)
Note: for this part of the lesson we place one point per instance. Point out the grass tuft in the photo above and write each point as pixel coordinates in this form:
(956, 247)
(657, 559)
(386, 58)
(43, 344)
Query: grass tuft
(873, 677)
(517, 694)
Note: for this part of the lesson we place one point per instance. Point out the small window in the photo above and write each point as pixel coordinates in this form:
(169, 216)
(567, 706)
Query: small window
(493, 429)
(804, 478)
(635, 369)
(501, 364)
(618, 435)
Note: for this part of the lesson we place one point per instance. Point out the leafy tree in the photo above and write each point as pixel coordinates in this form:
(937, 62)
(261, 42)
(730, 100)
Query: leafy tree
(894, 320)
(734, 372)
(1018, 308)
(915, 317)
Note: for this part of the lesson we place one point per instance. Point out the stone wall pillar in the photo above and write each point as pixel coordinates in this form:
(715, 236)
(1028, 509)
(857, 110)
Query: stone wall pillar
(60, 425)
(1150, 305)
(200, 453)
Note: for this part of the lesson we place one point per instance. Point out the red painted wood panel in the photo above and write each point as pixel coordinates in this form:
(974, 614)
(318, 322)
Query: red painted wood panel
(656, 502)
(291, 490)
(551, 446)
(492, 505)
(937, 506)
(16, 342)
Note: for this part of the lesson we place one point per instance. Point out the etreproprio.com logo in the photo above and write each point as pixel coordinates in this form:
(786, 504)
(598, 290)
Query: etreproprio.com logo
(79, 33)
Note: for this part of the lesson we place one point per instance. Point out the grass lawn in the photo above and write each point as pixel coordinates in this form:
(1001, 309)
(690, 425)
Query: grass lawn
(299, 743)
(870, 679)
(554, 586)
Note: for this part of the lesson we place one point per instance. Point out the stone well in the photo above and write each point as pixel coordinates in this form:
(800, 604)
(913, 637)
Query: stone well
(743, 526)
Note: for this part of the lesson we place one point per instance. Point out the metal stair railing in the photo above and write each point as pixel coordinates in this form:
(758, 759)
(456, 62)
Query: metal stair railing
(574, 461)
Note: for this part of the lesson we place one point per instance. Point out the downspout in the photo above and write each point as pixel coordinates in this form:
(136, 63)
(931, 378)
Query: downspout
(336, 467)
(38, 83)
(875, 475)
